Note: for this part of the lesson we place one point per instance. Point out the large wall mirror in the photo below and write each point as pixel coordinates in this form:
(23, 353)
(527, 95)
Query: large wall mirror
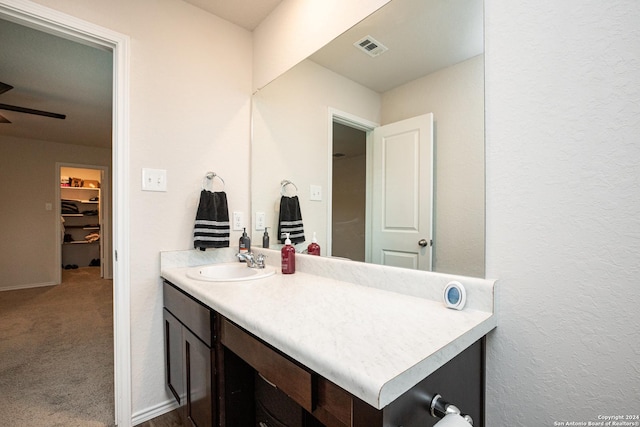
(341, 127)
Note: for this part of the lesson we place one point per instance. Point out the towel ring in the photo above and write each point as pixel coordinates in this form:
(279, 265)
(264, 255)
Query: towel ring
(210, 176)
(283, 184)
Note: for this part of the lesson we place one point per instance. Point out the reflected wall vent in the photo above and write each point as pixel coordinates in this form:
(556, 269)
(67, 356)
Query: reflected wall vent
(370, 46)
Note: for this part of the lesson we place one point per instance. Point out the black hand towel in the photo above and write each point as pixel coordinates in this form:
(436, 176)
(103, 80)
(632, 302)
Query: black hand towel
(290, 220)
(212, 221)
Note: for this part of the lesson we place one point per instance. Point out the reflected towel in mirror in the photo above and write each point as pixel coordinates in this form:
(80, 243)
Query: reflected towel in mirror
(290, 220)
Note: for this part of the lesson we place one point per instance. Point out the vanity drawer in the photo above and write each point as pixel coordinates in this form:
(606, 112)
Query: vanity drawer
(336, 407)
(286, 375)
(192, 314)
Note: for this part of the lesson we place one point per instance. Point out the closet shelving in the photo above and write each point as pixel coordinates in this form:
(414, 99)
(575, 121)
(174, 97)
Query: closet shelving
(78, 226)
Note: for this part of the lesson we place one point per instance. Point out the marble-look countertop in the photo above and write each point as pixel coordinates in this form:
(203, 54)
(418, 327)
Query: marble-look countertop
(374, 342)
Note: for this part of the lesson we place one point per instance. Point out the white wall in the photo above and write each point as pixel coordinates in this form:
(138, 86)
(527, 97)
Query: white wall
(455, 96)
(297, 28)
(29, 180)
(190, 113)
(291, 135)
(563, 209)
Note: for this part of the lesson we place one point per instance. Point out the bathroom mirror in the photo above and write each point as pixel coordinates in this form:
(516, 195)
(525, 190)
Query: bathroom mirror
(314, 126)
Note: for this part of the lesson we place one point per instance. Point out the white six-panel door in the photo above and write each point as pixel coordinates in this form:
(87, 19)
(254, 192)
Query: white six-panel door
(402, 199)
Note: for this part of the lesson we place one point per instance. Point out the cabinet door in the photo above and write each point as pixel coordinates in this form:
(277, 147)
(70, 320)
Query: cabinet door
(173, 356)
(199, 360)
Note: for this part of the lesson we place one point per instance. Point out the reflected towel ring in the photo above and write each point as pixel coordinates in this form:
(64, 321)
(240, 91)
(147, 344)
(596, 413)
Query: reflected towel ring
(283, 185)
(210, 176)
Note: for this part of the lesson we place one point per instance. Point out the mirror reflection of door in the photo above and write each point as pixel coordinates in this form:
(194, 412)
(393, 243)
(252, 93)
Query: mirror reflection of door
(402, 194)
(395, 227)
(348, 198)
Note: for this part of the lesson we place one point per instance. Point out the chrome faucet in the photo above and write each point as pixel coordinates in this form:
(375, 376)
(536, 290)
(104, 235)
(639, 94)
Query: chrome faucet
(252, 261)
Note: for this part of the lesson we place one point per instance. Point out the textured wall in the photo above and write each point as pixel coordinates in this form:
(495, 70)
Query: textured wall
(563, 209)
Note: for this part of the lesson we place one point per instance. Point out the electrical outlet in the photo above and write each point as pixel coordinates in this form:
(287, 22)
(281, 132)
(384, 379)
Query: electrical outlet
(260, 220)
(238, 221)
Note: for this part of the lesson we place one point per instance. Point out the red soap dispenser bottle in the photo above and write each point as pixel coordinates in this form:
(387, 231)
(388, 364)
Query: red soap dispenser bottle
(288, 253)
(314, 247)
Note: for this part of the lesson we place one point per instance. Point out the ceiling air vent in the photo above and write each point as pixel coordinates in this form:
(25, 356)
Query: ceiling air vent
(370, 46)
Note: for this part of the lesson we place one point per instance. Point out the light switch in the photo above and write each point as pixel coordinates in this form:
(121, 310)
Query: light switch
(315, 193)
(154, 179)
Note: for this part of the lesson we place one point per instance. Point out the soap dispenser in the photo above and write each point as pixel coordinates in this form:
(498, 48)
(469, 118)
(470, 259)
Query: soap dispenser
(265, 238)
(288, 253)
(314, 247)
(244, 243)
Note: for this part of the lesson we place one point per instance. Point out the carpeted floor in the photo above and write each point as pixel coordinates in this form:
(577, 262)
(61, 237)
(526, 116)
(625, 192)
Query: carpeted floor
(56, 353)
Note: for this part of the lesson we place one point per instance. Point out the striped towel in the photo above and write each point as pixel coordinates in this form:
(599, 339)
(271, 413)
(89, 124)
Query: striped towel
(290, 220)
(212, 221)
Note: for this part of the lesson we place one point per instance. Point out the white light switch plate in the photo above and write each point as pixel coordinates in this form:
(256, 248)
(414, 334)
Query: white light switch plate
(315, 193)
(154, 179)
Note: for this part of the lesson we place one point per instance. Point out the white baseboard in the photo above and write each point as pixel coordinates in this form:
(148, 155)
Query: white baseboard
(153, 412)
(26, 286)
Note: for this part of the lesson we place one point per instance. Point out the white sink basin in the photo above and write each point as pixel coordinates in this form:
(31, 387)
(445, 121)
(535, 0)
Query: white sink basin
(229, 272)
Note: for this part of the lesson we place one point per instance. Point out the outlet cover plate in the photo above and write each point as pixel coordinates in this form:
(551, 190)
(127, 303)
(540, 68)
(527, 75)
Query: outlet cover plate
(260, 221)
(238, 221)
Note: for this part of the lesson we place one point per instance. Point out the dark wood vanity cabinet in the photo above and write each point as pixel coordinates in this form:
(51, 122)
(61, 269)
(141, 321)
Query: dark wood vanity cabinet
(174, 365)
(221, 375)
(315, 401)
(190, 357)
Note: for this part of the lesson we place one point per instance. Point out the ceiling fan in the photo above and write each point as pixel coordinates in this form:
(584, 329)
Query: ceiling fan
(4, 88)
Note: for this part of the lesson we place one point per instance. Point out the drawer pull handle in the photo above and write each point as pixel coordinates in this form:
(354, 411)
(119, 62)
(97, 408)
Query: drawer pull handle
(267, 381)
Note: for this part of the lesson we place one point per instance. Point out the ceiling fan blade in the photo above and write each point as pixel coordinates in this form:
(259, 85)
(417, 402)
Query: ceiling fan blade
(31, 111)
(3, 119)
(4, 87)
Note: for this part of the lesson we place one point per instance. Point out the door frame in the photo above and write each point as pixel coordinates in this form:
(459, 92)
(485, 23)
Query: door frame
(367, 126)
(39, 17)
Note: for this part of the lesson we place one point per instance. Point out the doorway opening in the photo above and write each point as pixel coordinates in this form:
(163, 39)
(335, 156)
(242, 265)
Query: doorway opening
(56, 23)
(85, 222)
(348, 198)
(350, 179)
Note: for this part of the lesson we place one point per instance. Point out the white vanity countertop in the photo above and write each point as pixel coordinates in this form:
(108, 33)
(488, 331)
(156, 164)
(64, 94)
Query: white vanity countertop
(374, 343)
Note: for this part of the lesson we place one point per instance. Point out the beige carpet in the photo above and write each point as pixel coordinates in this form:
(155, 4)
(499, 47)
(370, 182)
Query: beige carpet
(56, 353)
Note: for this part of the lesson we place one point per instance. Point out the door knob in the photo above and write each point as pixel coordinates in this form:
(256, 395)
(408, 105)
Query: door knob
(423, 242)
